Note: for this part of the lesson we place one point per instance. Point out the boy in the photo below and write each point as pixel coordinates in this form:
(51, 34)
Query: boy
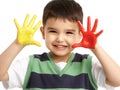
(60, 68)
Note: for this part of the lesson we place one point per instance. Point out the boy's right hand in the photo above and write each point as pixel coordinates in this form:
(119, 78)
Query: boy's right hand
(26, 32)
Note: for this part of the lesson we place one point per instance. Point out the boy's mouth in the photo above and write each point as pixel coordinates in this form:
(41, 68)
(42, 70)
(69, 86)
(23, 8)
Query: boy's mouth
(60, 47)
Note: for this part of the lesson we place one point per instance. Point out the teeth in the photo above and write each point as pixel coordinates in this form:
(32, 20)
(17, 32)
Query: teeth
(60, 46)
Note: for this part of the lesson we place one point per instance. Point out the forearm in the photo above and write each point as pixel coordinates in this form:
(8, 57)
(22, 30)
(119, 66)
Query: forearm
(110, 67)
(8, 56)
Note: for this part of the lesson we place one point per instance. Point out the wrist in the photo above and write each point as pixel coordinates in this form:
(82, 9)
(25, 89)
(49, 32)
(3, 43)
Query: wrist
(18, 44)
(97, 46)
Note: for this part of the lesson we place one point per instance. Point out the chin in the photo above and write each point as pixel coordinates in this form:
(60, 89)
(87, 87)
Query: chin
(61, 54)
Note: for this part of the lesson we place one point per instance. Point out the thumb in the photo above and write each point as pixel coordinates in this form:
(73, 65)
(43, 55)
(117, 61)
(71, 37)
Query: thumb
(36, 43)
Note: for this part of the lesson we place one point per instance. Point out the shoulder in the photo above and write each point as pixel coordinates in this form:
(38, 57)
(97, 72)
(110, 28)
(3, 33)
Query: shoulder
(39, 57)
(42, 57)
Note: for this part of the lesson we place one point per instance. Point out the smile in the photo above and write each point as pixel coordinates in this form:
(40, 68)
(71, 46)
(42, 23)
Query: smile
(60, 47)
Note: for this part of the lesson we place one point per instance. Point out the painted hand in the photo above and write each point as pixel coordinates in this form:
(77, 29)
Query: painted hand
(89, 37)
(26, 32)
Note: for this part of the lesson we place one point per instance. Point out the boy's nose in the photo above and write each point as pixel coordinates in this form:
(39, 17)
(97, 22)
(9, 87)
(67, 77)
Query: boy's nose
(60, 38)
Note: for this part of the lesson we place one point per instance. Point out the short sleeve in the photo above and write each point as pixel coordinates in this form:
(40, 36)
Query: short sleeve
(17, 73)
(99, 75)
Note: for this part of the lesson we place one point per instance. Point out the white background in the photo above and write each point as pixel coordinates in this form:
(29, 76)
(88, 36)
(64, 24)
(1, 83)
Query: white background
(107, 12)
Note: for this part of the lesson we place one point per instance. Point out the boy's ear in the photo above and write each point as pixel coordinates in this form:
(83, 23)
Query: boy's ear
(42, 32)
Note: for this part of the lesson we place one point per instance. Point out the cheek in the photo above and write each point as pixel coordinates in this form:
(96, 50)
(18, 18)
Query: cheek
(76, 39)
(47, 42)
(49, 38)
(71, 40)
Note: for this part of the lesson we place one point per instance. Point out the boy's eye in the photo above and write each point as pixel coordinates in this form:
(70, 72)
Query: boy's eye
(69, 32)
(52, 31)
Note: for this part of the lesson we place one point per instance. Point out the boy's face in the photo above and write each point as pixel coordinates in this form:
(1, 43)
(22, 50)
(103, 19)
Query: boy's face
(59, 35)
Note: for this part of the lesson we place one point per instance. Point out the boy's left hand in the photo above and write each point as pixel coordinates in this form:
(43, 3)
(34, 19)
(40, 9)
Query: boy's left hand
(89, 37)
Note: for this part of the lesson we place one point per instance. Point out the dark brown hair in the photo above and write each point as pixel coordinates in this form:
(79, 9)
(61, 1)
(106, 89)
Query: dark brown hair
(65, 9)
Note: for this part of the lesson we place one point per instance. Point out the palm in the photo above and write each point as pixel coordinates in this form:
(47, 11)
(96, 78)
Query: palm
(25, 36)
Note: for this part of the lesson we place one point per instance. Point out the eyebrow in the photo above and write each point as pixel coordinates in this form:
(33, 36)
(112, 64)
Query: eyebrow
(73, 30)
(70, 30)
(50, 28)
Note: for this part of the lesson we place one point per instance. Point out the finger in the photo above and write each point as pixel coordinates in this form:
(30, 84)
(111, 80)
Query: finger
(89, 24)
(76, 45)
(95, 25)
(99, 33)
(37, 25)
(26, 20)
(81, 27)
(32, 21)
(36, 43)
(16, 24)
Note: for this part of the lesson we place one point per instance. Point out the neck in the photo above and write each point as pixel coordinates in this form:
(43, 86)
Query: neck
(58, 59)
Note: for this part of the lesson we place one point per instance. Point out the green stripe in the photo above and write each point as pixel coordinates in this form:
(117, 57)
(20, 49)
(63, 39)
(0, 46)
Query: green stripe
(43, 67)
(77, 68)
